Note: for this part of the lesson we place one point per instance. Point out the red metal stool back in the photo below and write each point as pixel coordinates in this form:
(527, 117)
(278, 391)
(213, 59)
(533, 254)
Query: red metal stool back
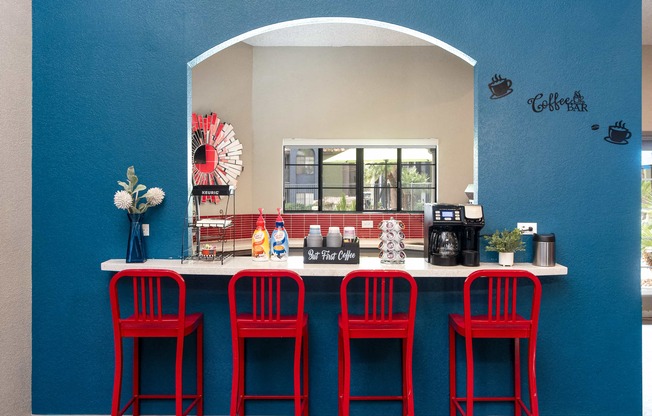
(381, 313)
(153, 317)
(270, 313)
(501, 319)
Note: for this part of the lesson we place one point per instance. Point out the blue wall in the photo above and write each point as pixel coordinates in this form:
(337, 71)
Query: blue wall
(110, 91)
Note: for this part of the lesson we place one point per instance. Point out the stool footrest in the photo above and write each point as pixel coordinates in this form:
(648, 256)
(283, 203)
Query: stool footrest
(196, 399)
(269, 397)
(457, 400)
(376, 397)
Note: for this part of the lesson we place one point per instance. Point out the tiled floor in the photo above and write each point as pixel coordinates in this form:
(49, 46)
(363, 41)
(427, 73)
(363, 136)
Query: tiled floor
(647, 369)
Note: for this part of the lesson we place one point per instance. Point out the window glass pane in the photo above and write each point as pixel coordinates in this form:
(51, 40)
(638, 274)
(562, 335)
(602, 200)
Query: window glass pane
(337, 155)
(380, 167)
(291, 178)
(417, 178)
(380, 179)
(342, 199)
(413, 199)
(380, 198)
(341, 176)
(300, 199)
(417, 185)
(305, 162)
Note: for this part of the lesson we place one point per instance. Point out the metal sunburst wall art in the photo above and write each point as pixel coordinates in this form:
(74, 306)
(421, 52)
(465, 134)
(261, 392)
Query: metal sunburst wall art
(215, 152)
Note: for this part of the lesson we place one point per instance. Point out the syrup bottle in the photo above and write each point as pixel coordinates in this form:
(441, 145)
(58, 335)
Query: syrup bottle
(260, 240)
(280, 246)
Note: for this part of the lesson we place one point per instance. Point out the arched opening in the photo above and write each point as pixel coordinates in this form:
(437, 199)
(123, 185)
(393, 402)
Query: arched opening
(337, 80)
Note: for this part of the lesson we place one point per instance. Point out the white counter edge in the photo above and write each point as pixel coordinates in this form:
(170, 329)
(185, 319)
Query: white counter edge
(417, 267)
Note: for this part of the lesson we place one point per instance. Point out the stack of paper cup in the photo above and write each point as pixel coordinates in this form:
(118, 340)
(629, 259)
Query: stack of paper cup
(392, 248)
(349, 234)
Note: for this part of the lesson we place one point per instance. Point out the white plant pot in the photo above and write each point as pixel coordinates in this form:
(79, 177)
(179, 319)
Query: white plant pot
(506, 259)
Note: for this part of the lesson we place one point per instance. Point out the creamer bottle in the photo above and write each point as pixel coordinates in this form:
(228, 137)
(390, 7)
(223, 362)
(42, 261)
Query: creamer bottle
(260, 240)
(280, 246)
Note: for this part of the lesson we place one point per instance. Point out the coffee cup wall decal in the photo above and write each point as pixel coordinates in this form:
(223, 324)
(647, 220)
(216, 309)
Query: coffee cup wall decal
(618, 133)
(500, 87)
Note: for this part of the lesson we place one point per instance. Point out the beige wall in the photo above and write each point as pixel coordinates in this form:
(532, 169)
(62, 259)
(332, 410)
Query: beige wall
(647, 88)
(16, 208)
(222, 84)
(346, 93)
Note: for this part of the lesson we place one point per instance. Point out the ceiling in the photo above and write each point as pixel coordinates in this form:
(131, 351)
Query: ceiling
(348, 34)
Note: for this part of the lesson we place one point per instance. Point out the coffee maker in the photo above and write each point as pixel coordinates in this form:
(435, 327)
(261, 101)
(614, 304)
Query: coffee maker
(451, 234)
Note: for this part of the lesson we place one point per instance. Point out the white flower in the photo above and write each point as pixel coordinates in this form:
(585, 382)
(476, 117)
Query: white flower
(122, 200)
(130, 197)
(154, 196)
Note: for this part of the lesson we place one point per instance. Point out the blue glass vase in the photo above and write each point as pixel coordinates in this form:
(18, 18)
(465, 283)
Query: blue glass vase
(136, 243)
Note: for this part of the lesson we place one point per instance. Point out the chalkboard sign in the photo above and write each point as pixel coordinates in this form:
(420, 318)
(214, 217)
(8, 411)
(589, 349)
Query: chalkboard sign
(349, 253)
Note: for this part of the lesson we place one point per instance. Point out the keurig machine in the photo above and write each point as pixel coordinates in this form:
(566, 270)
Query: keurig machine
(451, 234)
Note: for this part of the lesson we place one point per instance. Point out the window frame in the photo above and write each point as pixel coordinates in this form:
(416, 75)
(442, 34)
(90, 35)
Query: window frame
(360, 187)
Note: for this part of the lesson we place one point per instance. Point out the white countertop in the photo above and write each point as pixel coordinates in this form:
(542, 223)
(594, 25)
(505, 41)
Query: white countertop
(416, 266)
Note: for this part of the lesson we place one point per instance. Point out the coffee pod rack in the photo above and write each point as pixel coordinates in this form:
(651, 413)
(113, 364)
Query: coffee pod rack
(391, 246)
(211, 237)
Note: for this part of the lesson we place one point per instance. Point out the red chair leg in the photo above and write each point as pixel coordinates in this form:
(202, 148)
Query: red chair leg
(117, 377)
(532, 377)
(297, 376)
(408, 378)
(469, 376)
(340, 372)
(517, 377)
(306, 387)
(346, 380)
(452, 368)
(235, 378)
(404, 389)
(178, 374)
(200, 369)
(136, 378)
(241, 386)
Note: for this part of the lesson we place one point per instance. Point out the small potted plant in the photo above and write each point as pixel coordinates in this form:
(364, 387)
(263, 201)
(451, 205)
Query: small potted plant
(505, 242)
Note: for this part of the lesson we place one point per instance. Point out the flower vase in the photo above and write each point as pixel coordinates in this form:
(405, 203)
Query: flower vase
(135, 243)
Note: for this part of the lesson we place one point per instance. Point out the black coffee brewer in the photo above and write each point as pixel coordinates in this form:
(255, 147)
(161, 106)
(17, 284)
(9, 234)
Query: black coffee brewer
(451, 234)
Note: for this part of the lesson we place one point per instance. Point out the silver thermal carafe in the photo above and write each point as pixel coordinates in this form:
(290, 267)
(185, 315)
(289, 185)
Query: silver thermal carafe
(544, 250)
(451, 234)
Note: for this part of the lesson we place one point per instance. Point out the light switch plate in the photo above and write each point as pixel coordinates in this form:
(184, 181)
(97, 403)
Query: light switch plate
(527, 228)
(146, 230)
(368, 224)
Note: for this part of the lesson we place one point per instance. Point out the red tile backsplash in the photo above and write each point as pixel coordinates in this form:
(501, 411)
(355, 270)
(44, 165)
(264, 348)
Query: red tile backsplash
(297, 225)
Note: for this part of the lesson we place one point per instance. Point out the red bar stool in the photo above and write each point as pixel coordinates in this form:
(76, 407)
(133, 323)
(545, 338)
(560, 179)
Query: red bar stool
(265, 318)
(152, 319)
(501, 320)
(379, 317)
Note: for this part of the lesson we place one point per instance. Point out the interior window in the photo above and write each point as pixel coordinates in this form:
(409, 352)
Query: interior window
(359, 179)
(646, 218)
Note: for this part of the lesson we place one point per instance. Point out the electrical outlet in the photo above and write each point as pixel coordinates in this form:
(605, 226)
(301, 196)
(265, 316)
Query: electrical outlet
(367, 224)
(527, 228)
(146, 230)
